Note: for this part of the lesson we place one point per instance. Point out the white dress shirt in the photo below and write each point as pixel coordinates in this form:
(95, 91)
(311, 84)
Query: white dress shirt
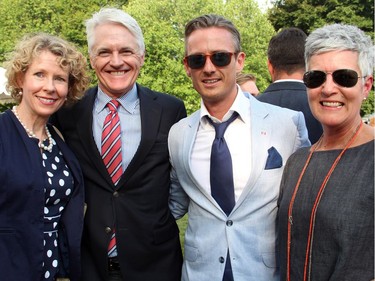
(238, 139)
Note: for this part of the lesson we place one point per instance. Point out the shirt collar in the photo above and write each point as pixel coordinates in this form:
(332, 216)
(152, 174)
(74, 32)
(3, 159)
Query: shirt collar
(240, 105)
(288, 80)
(129, 101)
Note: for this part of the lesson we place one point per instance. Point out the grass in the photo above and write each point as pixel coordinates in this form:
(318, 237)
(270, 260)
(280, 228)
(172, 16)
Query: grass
(182, 224)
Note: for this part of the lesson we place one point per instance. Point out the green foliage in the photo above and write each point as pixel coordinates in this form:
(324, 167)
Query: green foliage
(163, 23)
(182, 225)
(368, 105)
(5, 106)
(63, 18)
(311, 14)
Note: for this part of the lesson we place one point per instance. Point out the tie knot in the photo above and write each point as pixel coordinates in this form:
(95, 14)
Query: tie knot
(221, 127)
(113, 105)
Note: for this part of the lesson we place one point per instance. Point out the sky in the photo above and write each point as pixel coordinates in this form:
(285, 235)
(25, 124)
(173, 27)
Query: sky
(2, 81)
(264, 4)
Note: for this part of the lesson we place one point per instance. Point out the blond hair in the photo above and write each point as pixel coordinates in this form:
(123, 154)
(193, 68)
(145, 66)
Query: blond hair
(30, 47)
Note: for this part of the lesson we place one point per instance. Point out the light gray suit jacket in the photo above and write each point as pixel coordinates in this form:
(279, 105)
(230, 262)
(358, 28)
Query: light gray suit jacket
(249, 232)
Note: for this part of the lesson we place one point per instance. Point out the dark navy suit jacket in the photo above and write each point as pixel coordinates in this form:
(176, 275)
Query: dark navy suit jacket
(22, 200)
(293, 95)
(137, 207)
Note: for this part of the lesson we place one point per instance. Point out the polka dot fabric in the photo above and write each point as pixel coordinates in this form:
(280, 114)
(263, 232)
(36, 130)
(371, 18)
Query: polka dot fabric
(57, 190)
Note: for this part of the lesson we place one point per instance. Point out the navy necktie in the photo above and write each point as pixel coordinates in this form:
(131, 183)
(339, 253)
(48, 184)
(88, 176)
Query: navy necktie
(221, 170)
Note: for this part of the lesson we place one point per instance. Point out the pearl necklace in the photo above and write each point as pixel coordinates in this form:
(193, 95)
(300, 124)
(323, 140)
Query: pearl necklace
(31, 134)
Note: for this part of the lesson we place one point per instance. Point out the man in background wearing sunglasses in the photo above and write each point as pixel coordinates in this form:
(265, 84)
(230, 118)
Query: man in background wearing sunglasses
(286, 65)
(229, 184)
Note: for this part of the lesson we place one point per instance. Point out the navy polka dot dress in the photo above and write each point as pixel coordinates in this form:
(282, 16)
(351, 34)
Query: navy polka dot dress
(58, 189)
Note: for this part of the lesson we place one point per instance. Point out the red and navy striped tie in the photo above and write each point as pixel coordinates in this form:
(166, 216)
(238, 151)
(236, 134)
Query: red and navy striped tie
(111, 154)
(111, 142)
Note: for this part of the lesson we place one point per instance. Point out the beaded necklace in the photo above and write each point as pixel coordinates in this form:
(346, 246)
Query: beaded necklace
(307, 266)
(31, 134)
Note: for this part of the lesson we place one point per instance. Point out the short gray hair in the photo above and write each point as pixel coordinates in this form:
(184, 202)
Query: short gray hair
(344, 38)
(115, 16)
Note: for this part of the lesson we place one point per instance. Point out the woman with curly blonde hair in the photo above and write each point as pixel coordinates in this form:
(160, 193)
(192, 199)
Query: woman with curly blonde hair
(42, 201)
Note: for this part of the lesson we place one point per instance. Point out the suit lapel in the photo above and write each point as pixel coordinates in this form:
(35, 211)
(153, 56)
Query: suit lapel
(189, 136)
(150, 111)
(84, 119)
(260, 142)
(188, 141)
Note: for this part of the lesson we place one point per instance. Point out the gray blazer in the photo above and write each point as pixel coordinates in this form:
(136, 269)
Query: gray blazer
(250, 230)
(293, 95)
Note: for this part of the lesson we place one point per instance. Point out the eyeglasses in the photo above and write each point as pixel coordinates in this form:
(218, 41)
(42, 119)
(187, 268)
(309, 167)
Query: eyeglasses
(219, 59)
(343, 77)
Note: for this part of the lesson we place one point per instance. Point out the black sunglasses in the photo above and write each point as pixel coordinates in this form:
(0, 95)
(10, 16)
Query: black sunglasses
(343, 77)
(218, 59)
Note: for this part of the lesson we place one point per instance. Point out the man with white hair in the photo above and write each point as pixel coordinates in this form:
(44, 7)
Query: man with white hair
(119, 134)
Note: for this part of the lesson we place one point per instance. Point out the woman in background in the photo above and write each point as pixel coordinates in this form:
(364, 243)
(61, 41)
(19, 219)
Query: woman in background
(41, 185)
(326, 206)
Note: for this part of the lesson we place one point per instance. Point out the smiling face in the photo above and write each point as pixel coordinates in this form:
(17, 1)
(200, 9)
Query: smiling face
(216, 85)
(44, 86)
(334, 105)
(116, 59)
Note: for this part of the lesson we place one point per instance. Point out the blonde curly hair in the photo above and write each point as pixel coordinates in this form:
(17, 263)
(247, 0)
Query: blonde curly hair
(30, 47)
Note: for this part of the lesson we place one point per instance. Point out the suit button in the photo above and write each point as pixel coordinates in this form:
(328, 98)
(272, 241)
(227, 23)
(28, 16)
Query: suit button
(221, 260)
(229, 223)
(108, 230)
(115, 194)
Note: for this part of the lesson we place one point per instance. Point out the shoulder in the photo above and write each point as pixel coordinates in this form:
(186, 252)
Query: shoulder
(5, 122)
(300, 153)
(280, 89)
(73, 112)
(185, 124)
(272, 110)
(147, 93)
(65, 149)
(188, 121)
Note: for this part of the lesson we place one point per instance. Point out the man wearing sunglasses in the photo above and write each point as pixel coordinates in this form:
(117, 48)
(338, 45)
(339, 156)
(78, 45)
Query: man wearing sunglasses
(286, 65)
(231, 233)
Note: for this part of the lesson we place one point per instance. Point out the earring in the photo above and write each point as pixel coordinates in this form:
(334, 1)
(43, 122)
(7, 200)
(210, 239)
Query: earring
(20, 93)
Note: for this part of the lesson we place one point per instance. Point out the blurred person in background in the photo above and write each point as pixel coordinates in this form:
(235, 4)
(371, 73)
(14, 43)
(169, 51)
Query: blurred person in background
(247, 82)
(286, 65)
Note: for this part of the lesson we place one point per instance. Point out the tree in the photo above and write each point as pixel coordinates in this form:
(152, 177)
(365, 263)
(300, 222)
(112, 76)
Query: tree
(368, 105)
(163, 24)
(311, 14)
(63, 18)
